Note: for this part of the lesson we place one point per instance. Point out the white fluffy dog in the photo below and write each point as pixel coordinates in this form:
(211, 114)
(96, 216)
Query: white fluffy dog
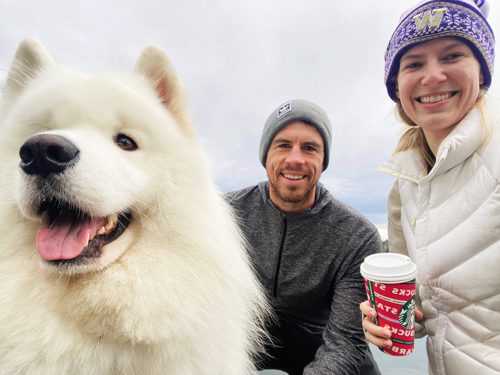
(117, 253)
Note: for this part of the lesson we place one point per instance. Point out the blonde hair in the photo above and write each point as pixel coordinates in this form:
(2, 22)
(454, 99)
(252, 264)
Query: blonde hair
(413, 136)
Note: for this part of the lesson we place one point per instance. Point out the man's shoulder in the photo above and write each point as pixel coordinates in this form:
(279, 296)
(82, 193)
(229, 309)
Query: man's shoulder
(348, 211)
(241, 195)
(342, 213)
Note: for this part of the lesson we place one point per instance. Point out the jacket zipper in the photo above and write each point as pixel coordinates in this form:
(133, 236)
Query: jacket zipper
(280, 255)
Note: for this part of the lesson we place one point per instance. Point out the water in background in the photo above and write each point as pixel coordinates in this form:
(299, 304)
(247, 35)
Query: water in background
(413, 364)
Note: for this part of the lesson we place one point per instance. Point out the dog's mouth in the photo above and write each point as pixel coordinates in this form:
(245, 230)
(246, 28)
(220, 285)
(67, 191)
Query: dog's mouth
(69, 235)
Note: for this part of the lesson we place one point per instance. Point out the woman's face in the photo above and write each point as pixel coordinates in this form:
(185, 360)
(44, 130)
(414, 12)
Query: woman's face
(438, 83)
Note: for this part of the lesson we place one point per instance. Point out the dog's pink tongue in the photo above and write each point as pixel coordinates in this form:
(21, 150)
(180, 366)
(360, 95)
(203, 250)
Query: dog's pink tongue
(66, 240)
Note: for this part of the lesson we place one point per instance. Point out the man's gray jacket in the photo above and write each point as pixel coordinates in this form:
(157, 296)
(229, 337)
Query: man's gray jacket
(309, 264)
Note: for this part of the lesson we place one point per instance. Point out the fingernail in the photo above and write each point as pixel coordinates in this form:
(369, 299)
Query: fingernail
(388, 343)
(387, 333)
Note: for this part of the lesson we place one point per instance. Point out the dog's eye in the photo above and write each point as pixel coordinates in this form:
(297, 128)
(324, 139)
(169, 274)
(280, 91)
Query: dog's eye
(125, 142)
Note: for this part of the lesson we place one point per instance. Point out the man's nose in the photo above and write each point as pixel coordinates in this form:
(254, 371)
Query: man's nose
(295, 156)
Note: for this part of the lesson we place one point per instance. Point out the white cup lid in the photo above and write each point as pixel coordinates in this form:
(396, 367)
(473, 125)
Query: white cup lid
(388, 268)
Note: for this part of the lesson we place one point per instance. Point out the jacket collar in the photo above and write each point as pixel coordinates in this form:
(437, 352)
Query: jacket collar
(322, 198)
(461, 143)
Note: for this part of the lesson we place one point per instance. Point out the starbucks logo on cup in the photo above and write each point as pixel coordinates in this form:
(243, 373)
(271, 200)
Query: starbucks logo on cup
(406, 315)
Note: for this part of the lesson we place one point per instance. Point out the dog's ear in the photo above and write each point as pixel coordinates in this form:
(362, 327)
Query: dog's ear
(157, 68)
(29, 60)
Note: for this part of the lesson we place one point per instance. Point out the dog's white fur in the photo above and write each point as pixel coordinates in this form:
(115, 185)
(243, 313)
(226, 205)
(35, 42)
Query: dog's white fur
(175, 293)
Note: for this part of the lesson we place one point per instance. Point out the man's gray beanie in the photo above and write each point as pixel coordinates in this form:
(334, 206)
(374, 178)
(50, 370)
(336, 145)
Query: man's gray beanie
(296, 110)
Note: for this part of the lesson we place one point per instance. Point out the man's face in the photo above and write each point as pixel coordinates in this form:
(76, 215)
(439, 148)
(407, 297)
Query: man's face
(294, 164)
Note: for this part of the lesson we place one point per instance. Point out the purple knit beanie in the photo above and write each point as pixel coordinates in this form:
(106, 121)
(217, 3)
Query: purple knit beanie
(464, 19)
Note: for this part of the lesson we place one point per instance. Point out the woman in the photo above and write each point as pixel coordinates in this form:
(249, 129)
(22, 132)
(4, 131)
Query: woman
(444, 208)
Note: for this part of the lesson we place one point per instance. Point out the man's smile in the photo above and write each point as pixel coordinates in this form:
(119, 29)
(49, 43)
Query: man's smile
(290, 176)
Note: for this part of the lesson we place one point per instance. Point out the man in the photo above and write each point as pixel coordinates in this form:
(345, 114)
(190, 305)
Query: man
(306, 248)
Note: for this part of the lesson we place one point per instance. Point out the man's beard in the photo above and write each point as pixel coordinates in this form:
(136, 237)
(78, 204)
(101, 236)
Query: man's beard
(291, 194)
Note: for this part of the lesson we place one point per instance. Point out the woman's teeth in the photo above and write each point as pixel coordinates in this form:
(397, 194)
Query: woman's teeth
(434, 99)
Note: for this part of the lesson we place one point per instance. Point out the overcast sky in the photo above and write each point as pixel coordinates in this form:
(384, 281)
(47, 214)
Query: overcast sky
(239, 60)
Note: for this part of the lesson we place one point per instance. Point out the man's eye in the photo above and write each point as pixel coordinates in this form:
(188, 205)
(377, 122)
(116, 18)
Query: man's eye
(283, 145)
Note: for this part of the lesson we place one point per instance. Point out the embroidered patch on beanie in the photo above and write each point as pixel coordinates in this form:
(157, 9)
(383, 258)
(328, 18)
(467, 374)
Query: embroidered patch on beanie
(284, 109)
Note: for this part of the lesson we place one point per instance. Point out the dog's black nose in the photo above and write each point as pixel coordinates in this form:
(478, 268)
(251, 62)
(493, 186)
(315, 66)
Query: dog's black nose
(46, 154)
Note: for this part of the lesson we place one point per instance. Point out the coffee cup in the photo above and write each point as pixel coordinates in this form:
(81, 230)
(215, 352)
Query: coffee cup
(390, 287)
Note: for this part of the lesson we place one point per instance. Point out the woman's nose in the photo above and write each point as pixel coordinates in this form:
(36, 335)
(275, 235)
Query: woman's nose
(433, 73)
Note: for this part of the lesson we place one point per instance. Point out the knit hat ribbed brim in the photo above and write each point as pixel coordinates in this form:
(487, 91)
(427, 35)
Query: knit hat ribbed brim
(296, 110)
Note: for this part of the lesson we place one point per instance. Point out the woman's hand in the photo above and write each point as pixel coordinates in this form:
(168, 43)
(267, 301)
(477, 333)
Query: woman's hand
(378, 336)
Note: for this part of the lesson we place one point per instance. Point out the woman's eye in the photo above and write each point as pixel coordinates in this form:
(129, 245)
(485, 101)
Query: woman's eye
(125, 142)
(453, 56)
(413, 65)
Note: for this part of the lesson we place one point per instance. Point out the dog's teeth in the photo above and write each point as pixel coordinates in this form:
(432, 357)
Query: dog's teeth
(88, 239)
(110, 225)
(112, 221)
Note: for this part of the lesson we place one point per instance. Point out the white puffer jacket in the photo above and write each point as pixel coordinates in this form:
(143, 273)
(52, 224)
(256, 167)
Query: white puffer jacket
(448, 222)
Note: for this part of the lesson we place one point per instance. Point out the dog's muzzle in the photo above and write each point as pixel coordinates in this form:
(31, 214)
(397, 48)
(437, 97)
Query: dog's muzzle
(68, 235)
